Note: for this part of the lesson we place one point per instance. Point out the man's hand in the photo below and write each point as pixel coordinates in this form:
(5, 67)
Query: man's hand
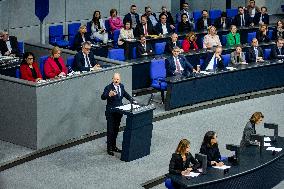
(111, 93)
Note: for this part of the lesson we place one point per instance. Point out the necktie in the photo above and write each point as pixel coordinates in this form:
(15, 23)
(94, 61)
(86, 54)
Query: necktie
(256, 52)
(118, 91)
(177, 65)
(87, 60)
(175, 44)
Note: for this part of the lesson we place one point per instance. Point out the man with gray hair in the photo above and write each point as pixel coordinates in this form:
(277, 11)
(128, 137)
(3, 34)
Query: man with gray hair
(8, 44)
(84, 60)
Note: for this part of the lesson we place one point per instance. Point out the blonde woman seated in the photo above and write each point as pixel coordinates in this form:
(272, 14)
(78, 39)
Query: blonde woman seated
(126, 33)
(238, 56)
(54, 66)
(182, 162)
(211, 39)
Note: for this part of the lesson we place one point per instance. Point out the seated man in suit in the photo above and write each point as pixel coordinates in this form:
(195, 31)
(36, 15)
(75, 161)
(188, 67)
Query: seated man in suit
(277, 51)
(162, 26)
(8, 45)
(173, 42)
(84, 60)
(144, 28)
(133, 17)
(255, 53)
(143, 48)
(204, 22)
(151, 16)
(177, 64)
(223, 22)
(213, 61)
(261, 17)
(242, 19)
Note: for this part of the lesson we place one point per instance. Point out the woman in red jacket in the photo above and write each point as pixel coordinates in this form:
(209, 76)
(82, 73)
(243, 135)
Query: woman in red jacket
(54, 66)
(29, 68)
(189, 43)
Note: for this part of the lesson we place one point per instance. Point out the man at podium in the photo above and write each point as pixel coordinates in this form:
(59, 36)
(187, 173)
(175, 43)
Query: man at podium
(114, 94)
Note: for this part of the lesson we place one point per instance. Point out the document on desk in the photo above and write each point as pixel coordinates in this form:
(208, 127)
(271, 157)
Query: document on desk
(267, 144)
(267, 139)
(192, 174)
(127, 107)
(205, 72)
(222, 167)
(274, 149)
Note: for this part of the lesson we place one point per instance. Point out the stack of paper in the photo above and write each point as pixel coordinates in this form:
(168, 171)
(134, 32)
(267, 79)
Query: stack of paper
(222, 167)
(267, 139)
(274, 149)
(267, 144)
(192, 174)
(205, 72)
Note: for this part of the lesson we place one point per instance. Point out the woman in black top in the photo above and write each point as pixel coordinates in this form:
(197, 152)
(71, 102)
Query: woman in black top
(184, 25)
(249, 129)
(210, 148)
(81, 37)
(280, 29)
(262, 34)
(182, 162)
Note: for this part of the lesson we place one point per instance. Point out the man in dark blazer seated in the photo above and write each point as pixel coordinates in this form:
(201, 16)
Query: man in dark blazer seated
(277, 51)
(8, 45)
(163, 27)
(173, 42)
(84, 60)
(242, 19)
(143, 48)
(144, 28)
(261, 17)
(132, 16)
(204, 22)
(178, 65)
(223, 21)
(114, 94)
(255, 53)
(213, 61)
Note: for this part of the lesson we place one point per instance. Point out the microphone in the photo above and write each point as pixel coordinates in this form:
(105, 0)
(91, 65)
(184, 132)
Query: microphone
(274, 127)
(260, 139)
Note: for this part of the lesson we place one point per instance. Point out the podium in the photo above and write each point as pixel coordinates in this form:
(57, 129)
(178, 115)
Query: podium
(137, 134)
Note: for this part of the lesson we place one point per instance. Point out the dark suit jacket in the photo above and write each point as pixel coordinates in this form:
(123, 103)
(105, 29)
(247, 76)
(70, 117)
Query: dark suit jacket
(171, 66)
(127, 17)
(78, 40)
(14, 45)
(79, 62)
(149, 20)
(170, 19)
(170, 45)
(219, 66)
(176, 164)
(212, 152)
(140, 49)
(251, 54)
(237, 20)
(248, 131)
(265, 18)
(116, 100)
(218, 23)
(275, 53)
(184, 27)
(200, 23)
(159, 28)
(262, 38)
(139, 30)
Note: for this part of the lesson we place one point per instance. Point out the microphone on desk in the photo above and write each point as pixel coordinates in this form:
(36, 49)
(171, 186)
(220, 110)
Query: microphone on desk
(260, 139)
(235, 159)
(274, 127)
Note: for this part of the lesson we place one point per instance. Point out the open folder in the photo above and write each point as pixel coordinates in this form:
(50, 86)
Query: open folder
(127, 107)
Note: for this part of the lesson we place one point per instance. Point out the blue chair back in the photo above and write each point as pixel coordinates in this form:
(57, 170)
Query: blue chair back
(169, 184)
(226, 59)
(18, 73)
(251, 35)
(42, 60)
(160, 47)
(107, 25)
(115, 37)
(116, 54)
(73, 29)
(224, 40)
(231, 13)
(134, 55)
(21, 47)
(158, 74)
(266, 54)
(196, 15)
(201, 62)
(214, 14)
(55, 34)
(89, 25)
(270, 34)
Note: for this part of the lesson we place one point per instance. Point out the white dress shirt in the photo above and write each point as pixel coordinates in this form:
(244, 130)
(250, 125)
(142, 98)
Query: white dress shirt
(164, 27)
(210, 66)
(87, 61)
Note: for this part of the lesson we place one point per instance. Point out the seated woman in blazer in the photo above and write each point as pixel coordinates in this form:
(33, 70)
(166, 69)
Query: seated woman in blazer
(80, 37)
(189, 42)
(210, 148)
(233, 38)
(182, 162)
(249, 129)
(54, 66)
(238, 56)
(29, 68)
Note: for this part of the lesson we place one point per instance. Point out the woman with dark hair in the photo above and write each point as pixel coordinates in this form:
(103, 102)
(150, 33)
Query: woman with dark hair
(280, 29)
(182, 162)
(80, 37)
(29, 68)
(262, 34)
(210, 148)
(184, 25)
(115, 21)
(98, 27)
(249, 129)
(189, 42)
